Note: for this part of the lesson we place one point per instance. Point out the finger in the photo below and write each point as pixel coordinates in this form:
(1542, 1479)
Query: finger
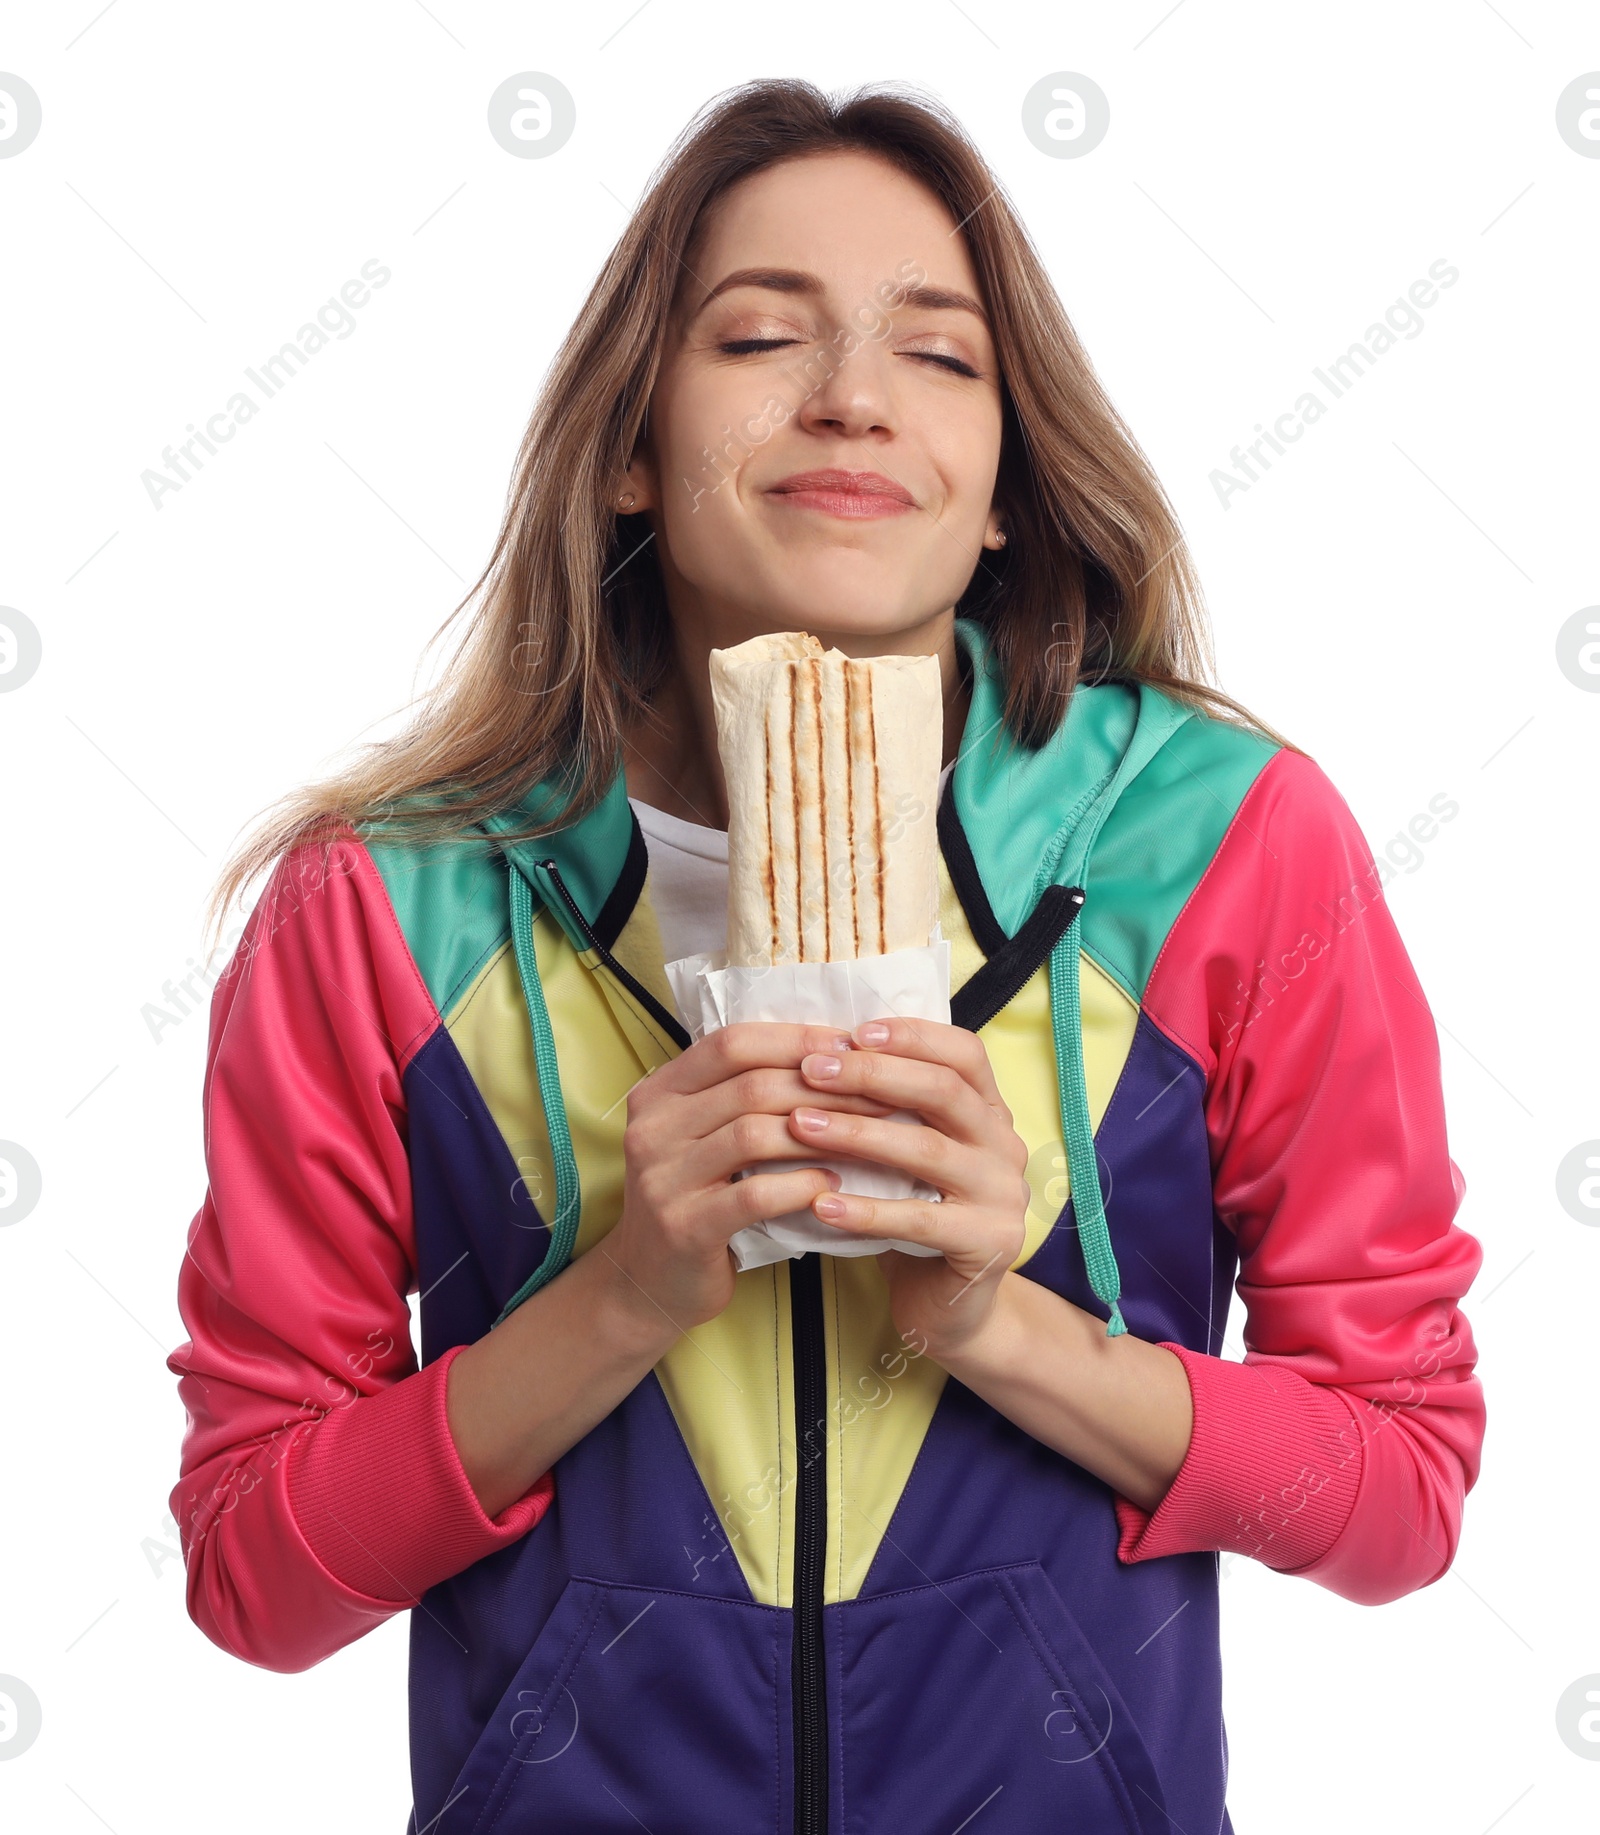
(938, 1092)
(936, 1043)
(747, 1140)
(735, 1206)
(955, 1230)
(948, 1165)
(744, 1045)
(767, 1090)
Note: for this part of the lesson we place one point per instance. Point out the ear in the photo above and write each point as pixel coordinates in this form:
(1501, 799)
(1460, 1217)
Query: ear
(640, 479)
(635, 490)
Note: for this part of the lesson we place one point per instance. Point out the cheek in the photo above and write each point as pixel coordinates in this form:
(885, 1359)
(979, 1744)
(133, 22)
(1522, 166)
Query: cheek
(703, 433)
(966, 454)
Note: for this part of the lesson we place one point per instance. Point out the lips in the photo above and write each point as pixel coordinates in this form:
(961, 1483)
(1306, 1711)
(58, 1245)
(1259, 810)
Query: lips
(852, 494)
(845, 484)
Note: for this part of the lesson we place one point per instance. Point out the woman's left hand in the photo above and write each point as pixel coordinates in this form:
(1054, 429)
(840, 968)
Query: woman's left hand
(967, 1149)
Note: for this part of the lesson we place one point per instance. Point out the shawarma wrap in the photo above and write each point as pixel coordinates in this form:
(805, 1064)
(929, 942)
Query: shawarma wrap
(832, 769)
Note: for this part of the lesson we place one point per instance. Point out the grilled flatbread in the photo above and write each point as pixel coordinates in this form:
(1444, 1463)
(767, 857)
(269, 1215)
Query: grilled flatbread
(832, 768)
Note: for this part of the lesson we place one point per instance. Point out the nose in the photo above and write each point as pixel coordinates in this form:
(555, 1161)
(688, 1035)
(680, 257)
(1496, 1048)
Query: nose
(847, 395)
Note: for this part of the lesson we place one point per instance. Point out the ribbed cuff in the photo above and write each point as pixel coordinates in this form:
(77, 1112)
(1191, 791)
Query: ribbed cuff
(381, 1497)
(1272, 1469)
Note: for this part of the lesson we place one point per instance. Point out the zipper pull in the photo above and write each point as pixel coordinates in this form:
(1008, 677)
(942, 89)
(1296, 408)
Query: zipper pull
(668, 1022)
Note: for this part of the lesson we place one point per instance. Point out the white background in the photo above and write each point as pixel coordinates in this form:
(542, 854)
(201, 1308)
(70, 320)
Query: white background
(1389, 595)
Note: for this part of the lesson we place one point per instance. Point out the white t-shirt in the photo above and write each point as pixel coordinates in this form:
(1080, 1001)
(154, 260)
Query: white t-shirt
(689, 879)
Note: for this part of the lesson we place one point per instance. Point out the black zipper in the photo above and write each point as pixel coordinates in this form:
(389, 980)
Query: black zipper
(1009, 962)
(1008, 971)
(668, 1022)
(808, 1675)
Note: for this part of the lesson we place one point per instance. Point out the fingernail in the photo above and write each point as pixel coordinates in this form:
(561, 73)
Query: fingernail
(873, 1033)
(812, 1119)
(817, 1066)
(829, 1207)
(839, 1043)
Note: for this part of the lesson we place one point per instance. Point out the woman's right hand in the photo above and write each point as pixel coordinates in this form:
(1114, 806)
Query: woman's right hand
(722, 1104)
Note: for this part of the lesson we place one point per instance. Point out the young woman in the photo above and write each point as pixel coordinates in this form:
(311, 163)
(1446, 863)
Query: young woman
(871, 1542)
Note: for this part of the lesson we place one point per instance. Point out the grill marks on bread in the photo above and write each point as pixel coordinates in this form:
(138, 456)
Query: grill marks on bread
(815, 670)
(850, 803)
(768, 865)
(818, 750)
(877, 814)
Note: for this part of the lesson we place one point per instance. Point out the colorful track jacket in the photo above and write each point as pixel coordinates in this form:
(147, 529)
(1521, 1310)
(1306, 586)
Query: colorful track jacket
(801, 1579)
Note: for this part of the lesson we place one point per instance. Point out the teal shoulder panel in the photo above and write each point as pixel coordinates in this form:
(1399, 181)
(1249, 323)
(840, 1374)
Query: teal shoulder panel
(589, 853)
(452, 899)
(1013, 804)
(1017, 807)
(1159, 840)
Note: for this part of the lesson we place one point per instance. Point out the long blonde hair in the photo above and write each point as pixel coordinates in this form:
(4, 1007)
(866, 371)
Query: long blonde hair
(572, 633)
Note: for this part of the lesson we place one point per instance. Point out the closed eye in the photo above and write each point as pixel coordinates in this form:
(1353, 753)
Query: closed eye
(744, 347)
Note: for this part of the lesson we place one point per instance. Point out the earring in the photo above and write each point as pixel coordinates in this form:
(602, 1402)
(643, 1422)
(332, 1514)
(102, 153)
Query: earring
(999, 538)
(625, 500)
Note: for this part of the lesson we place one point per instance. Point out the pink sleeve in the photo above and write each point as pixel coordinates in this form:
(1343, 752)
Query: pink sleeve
(320, 1490)
(1343, 1446)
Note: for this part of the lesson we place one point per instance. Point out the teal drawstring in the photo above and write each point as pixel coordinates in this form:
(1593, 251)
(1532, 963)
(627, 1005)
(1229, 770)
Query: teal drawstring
(564, 1228)
(1066, 1019)
(1083, 1166)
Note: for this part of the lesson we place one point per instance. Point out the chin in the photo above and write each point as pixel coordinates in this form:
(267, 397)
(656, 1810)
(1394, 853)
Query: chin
(826, 617)
(842, 601)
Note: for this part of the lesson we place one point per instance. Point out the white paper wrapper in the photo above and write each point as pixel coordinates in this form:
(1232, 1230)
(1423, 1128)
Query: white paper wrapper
(912, 983)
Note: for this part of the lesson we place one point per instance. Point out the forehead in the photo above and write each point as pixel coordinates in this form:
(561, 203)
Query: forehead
(848, 217)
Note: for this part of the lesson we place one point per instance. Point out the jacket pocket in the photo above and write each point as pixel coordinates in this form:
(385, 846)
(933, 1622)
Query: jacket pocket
(634, 1706)
(982, 1692)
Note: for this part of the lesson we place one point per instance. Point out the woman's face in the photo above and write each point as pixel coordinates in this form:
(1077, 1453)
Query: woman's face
(829, 321)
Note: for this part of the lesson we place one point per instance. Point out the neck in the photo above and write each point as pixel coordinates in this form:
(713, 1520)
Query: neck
(671, 761)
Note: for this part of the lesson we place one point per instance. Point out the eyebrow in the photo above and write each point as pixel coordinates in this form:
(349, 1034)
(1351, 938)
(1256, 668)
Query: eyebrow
(798, 281)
